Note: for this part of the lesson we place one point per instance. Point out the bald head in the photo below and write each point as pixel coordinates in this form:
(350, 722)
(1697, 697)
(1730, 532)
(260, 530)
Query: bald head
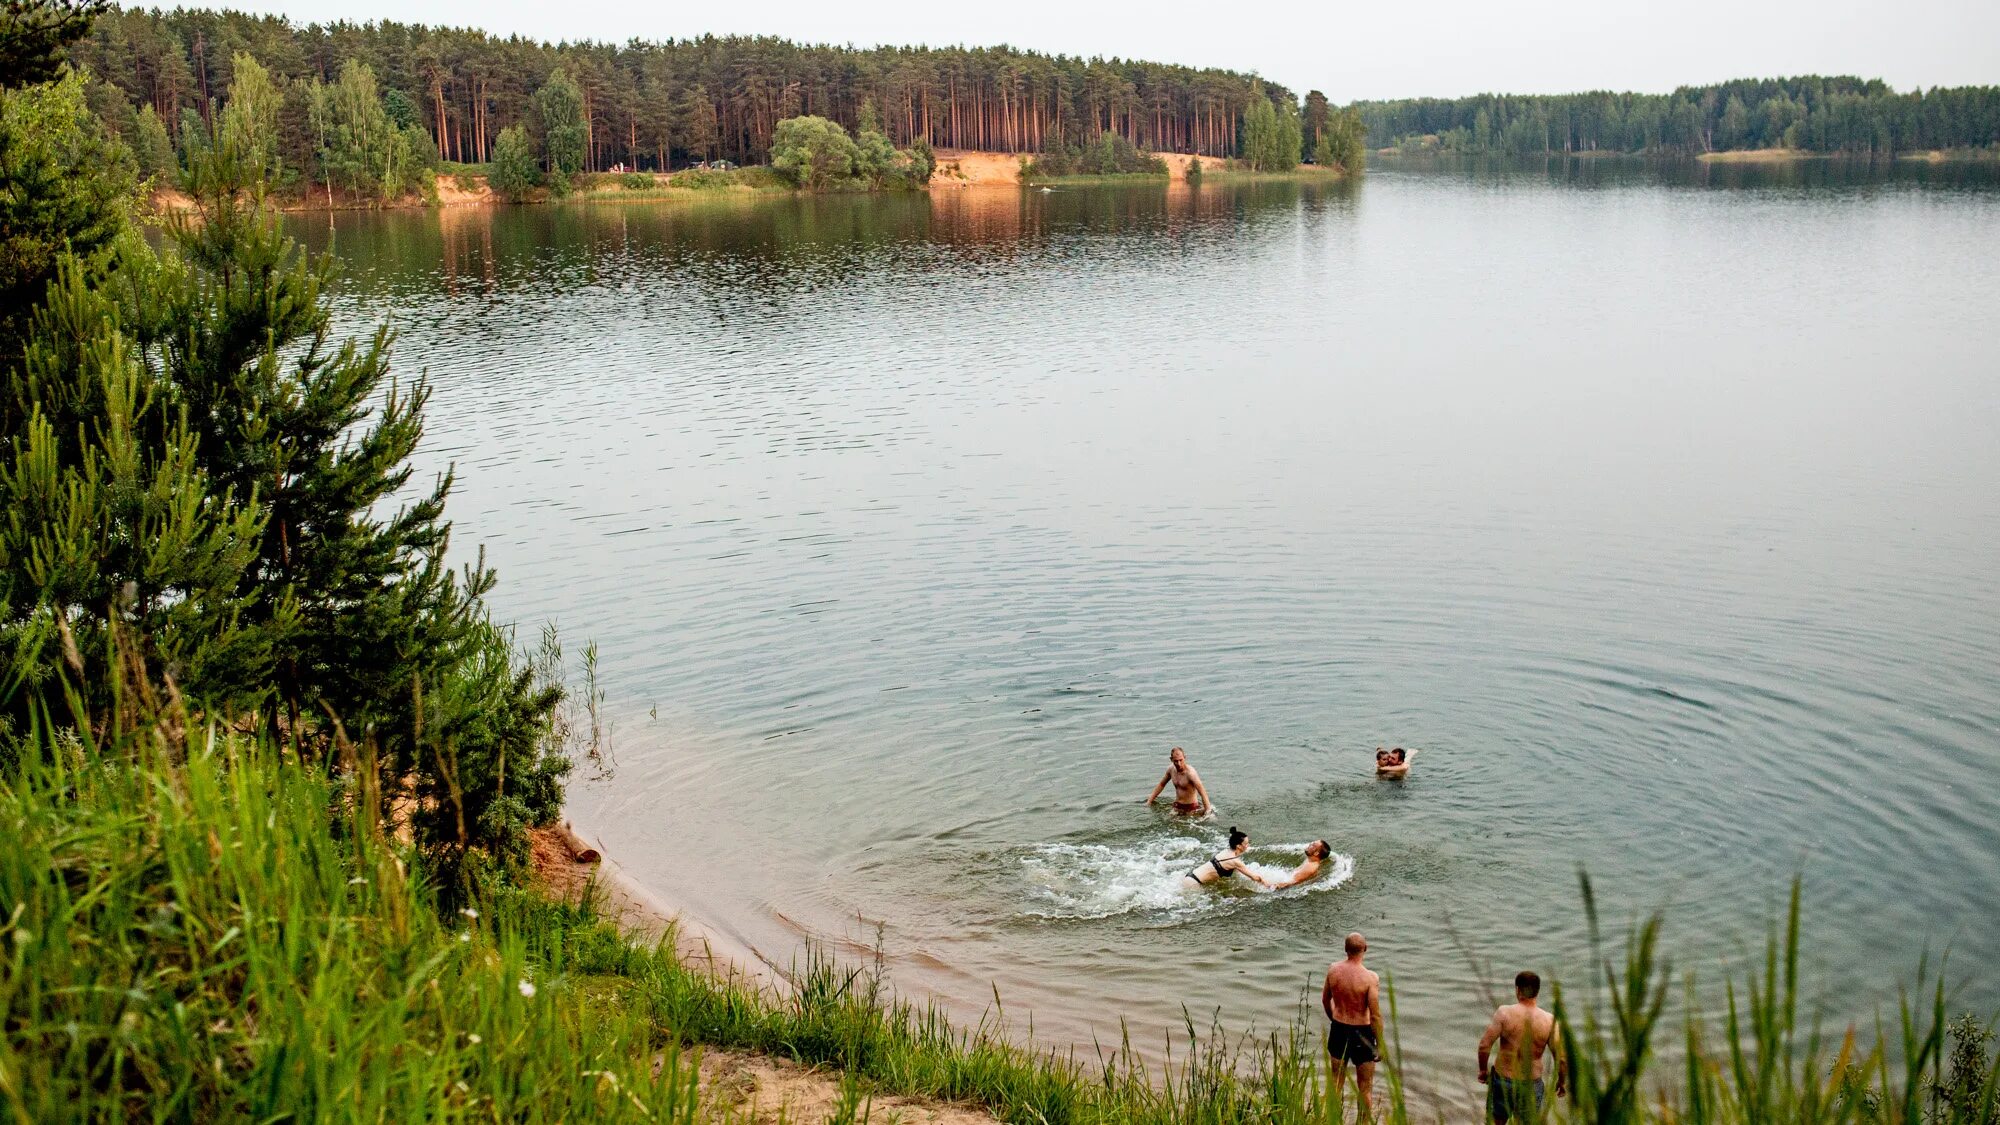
(1356, 944)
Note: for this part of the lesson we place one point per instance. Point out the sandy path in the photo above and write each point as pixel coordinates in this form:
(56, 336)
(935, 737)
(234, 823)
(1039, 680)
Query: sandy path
(771, 1091)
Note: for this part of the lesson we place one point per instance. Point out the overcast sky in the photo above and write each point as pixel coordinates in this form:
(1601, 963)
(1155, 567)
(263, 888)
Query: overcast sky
(1374, 50)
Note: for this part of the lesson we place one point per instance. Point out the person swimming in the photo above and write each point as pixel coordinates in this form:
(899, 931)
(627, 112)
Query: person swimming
(1224, 864)
(1393, 763)
(1317, 853)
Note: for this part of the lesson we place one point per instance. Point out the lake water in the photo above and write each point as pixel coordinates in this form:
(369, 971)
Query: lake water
(1657, 507)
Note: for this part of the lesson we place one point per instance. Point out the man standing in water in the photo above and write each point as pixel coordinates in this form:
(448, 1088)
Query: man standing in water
(1353, 1002)
(1523, 1031)
(1190, 795)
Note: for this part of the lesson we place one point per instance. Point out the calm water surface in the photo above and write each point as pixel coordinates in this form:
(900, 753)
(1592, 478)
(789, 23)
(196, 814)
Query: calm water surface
(1659, 509)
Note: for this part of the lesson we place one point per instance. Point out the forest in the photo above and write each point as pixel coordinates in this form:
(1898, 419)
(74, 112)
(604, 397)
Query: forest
(656, 106)
(1810, 114)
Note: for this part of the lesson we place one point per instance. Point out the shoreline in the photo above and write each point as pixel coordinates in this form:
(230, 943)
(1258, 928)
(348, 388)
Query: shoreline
(637, 909)
(956, 168)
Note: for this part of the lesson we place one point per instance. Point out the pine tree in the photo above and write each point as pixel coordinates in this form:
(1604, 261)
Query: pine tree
(63, 185)
(370, 627)
(560, 105)
(151, 147)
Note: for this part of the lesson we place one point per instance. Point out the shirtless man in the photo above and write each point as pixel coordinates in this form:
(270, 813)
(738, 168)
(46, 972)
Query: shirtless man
(1393, 763)
(1190, 795)
(1317, 853)
(1523, 1031)
(1353, 1002)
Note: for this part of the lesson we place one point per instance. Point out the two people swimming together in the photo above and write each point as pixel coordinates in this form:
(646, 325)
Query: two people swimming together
(1227, 864)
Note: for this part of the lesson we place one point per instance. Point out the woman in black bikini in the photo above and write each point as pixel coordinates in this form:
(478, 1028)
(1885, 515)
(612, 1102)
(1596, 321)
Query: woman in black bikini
(1225, 864)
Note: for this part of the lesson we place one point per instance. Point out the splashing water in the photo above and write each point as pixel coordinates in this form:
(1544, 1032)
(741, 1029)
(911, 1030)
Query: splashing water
(1086, 881)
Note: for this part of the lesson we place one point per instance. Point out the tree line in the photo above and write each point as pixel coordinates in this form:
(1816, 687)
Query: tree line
(661, 105)
(1810, 113)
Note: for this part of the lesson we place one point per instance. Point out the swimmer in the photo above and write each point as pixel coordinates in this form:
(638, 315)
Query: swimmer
(1190, 795)
(1393, 763)
(1316, 854)
(1224, 864)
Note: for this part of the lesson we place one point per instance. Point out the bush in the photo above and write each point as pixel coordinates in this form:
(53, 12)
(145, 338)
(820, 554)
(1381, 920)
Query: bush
(813, 152)
(638, 181)
(515, 172)
(1111, 154)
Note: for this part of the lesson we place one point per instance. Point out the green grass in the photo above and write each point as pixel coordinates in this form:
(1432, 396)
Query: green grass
(194, 928)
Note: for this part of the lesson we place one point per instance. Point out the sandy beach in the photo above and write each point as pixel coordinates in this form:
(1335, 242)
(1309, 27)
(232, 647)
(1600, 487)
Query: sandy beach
(640, 911)
(967, 168)
(763, 1089)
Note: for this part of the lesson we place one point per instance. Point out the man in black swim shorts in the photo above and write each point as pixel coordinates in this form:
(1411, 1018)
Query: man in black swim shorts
(1353, 1002)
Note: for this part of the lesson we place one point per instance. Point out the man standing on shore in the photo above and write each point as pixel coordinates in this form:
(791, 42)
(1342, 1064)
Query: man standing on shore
(1523, 1031)
(1190, 795)
(1353, 1002)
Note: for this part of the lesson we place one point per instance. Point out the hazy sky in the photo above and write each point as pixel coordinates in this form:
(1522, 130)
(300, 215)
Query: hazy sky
(1375, 50)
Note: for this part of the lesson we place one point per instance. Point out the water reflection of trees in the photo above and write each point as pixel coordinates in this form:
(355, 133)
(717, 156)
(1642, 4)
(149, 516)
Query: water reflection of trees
(790, 243)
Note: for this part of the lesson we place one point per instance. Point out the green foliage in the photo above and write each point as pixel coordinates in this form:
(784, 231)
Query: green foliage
(63, 183)
(1110, 154)
(559, 104)
(1343, 143)
(378, 632)
(922, 161)
(401, 110)
(195, 465)
(249, 120)
(813, 152)
(695, 123)
(199, 930)
(877, 161)
(360, 148)
(1194, 170)
(152, 148)
(115, 525)
(35, 35)
(638, 181)
(514, 172)
(669, 104)
(1812, 113)
(1271, 133)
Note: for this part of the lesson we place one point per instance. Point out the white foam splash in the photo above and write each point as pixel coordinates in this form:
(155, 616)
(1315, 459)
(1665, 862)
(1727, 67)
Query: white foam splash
(1085, 881)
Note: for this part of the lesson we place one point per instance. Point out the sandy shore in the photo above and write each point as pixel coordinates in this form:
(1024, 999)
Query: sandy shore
(756, 1088)
(1755, 156)
(638, 910)
(957, 167)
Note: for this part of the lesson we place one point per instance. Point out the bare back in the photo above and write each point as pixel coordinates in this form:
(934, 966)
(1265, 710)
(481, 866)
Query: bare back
(1523, 1033)
(1351, 993)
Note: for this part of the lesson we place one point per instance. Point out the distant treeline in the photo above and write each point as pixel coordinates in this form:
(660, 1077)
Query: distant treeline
(662, 105)
(1812, 114)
